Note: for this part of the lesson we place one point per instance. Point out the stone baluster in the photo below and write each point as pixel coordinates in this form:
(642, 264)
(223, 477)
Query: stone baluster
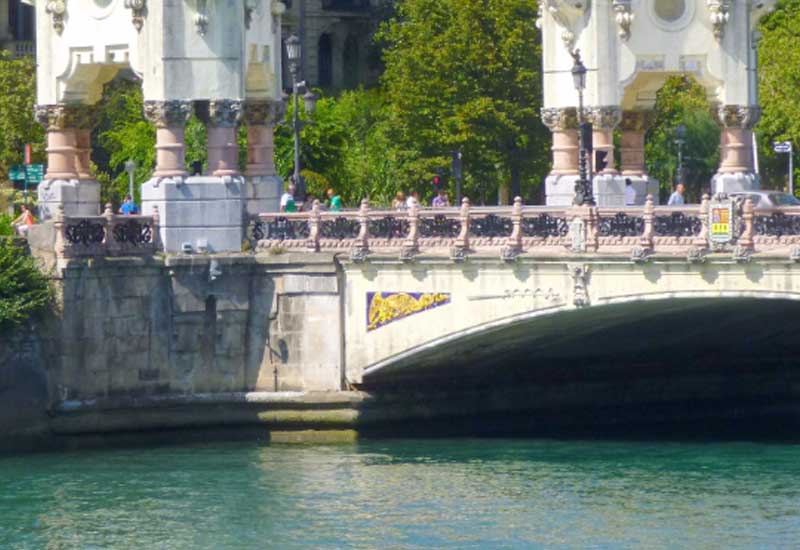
(592, 229)
(411, 242)
(646, 240)
(701, 240)
(461, 244)
(261, 117)
(361, 245)
(314, 221)
(108, 214)
(513, 245)
(156, 231)
(223, 150)
(59, 227)
(170, 118)
(746, 242)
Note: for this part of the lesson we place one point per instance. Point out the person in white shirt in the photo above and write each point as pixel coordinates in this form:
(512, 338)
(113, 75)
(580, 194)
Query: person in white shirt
(630, 193)
(287, 200)
(413, 200)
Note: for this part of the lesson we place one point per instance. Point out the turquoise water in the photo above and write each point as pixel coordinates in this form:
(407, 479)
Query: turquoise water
(406, 494)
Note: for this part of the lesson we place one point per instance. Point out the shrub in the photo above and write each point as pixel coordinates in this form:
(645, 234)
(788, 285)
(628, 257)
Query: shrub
(24, 291)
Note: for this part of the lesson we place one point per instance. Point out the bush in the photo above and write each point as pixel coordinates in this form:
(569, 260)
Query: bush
(24, 291)
(5, 226)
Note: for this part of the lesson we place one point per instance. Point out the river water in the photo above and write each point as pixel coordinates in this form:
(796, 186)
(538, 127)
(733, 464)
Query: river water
(486, 494)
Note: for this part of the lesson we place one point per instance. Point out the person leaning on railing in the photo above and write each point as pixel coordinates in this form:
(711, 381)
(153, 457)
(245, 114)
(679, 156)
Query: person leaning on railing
(24, 221)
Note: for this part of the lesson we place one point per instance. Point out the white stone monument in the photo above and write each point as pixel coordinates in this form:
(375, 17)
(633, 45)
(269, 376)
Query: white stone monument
(218, 58)
(630, 47)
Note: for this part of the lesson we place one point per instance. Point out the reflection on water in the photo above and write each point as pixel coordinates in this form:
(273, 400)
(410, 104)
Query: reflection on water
(406, 494)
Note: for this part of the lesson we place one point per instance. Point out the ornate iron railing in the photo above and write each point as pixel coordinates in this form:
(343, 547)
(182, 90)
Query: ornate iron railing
(105, 235)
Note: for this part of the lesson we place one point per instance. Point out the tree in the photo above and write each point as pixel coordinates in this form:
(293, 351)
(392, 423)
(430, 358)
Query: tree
(779, 79)
(466, 74)
(24, 291)
(17, 99)
(682, 101)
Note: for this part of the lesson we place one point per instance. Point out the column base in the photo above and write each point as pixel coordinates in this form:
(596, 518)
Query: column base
(560, 189)
(608, 189)
(733, 182)
(201, 214)
(263, 194)
(79, 197)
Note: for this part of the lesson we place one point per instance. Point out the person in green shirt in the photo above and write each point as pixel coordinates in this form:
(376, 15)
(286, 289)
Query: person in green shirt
(335, 201)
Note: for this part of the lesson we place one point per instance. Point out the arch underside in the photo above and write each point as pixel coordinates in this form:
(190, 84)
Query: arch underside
(723, 366)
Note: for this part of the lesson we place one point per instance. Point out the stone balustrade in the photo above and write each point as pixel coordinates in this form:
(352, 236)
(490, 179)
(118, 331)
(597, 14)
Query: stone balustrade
(105, 235)
(638, 232)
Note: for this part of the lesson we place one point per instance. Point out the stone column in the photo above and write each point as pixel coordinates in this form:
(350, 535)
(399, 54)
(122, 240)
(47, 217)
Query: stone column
(563, 123)
(223, 150)
(634, 125)
(61, 140)
(604, 119)
(170, 118)
(260, 117)
(736, 137)
(84, 122)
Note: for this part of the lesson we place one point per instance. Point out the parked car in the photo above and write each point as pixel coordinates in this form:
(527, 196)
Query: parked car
(767, 200)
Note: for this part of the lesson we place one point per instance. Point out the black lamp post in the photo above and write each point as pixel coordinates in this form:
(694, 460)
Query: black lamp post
(583, 187)
(680, 140)
(293, 52)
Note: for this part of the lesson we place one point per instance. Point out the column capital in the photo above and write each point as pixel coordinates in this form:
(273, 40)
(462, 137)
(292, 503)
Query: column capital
(60, 116)
(224, 113)
(636, 121)
(263, 112)
(168, 114)
(737, 116)
(604, 117)
(560, 119)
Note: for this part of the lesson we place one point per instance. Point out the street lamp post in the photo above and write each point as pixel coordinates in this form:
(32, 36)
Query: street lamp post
(583, 186)
(293, 52)
(680, 140)
(130, 168)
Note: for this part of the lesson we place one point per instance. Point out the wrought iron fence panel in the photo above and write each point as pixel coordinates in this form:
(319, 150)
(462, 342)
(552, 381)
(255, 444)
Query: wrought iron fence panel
(282, 229)
(545, 225)
(777, 225)
(677, 224)
(439, 226)
(85, 232)
(621, 225)
(132, 232)
(339, 228)
(388, 227)
(491, 225)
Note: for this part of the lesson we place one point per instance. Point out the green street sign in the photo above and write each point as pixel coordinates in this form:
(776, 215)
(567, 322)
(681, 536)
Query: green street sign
(17, 172)
(34, 173)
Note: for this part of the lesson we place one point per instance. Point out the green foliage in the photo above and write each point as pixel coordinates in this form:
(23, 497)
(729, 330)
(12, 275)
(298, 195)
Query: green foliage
(23, 289)
(466, 74)
(682, 101)
(17, 126)
(779, 80)
(6, 230)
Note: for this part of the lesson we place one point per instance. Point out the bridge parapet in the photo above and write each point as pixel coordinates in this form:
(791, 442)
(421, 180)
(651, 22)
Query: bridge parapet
(638, 232)
(105, 235)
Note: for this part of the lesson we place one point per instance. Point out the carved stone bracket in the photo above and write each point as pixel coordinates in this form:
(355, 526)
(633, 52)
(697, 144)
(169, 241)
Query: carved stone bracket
(737, 116)
(57, 10)
(624, 16)
(168, 114)
(224, 113)
(605, 117)
(559, 120)
(138, 8)
(580, 284)
(566, 14)
(719, 15)
(201, 18)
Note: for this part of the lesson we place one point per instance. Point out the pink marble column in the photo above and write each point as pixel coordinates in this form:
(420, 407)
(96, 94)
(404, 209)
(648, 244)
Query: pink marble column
(563, 123)
(604, 119)
(736, 137)
(260, 117)
(633, 127)
(223, 150)
(170, 118)
(61, 141)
